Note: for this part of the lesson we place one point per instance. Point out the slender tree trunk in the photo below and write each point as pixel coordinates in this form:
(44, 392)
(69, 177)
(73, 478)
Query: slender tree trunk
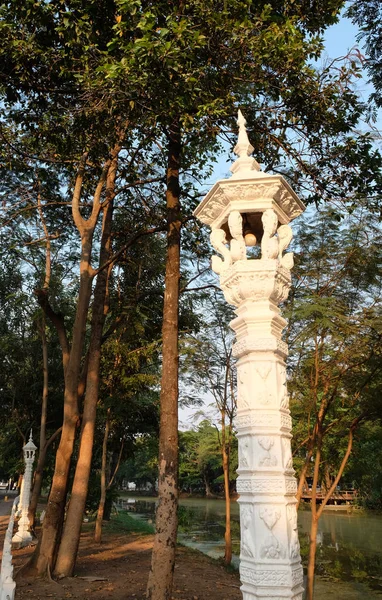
(327, 482)
(227, 534)
(67, 553)
(317, 512)
(226, 451)
(37, 482)
(42, 452)
(207, 486)
(45, 390)
(163, 556)
(315, 515)
(303, 474)
(38, 478)
(311, 558)
(101, 506)
(42, 559)
(36, 490)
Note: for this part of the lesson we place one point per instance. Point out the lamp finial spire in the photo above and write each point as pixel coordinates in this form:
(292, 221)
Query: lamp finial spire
(243, 150)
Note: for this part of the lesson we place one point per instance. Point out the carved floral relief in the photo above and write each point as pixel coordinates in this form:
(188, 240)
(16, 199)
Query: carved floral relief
(266, 458)
(294, 544)
(271, 548)
(244, 387)
(245, 453)
(247, 538)
(287, 454)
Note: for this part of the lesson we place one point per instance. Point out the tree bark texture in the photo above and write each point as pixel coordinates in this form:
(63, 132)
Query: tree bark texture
(225, 460)
(44, 556)
(42, 452)
(311, 558)
(163, 556)
(67, 553)
(36, 490)
(317, 512)
(101, 506)
(38, 477)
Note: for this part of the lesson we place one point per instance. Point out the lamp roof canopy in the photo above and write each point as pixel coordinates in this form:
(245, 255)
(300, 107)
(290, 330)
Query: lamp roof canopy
(30, 445)
(248, 190)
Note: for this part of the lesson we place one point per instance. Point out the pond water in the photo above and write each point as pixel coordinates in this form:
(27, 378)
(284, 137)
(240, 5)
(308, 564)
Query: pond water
(349, 543)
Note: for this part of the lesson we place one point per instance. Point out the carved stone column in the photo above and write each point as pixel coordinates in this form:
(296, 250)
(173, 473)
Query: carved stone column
(253, 209)
(23, 536)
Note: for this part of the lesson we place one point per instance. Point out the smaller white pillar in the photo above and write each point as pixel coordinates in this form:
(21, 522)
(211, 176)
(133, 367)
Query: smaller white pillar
(20, 506)
(23, 537)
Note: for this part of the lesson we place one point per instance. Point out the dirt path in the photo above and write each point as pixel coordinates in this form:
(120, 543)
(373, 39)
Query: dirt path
(6, 505)
(119, 568)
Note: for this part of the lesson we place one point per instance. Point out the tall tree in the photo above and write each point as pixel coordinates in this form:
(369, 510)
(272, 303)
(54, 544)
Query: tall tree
(212, 371)
(71, 534)
(166, 524)
(335, 345)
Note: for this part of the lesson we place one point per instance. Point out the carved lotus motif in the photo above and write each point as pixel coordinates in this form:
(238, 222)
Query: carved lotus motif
(255, 280)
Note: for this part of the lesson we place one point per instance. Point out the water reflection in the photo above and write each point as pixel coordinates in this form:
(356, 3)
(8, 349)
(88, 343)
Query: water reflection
(349, 544)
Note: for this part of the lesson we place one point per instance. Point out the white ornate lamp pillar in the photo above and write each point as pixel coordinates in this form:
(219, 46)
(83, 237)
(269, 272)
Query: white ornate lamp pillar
(23, 536)
(253, 208)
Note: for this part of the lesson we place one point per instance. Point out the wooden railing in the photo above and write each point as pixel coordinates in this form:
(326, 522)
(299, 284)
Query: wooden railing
(338, 497)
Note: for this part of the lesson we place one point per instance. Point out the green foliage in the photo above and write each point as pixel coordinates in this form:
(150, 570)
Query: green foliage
(21, 366)
(142, 465)
(200, 462)
(123, 522)
(367, 14)
(365, 466)
(334, 335)
(77, 75)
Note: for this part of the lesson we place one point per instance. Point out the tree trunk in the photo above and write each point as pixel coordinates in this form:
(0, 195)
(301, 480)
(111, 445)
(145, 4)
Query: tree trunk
(227, 534)
(38, 477)
(36, 490)
(207, 487)
(44, 406)
(163, 556)
(327, 482)
(101, 506)
(67, 553)
(312, 558)
(42, 560)
(225, 463)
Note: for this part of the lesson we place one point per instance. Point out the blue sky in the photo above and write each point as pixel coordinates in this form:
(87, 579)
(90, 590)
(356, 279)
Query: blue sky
(340, 37)
(339, 40)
